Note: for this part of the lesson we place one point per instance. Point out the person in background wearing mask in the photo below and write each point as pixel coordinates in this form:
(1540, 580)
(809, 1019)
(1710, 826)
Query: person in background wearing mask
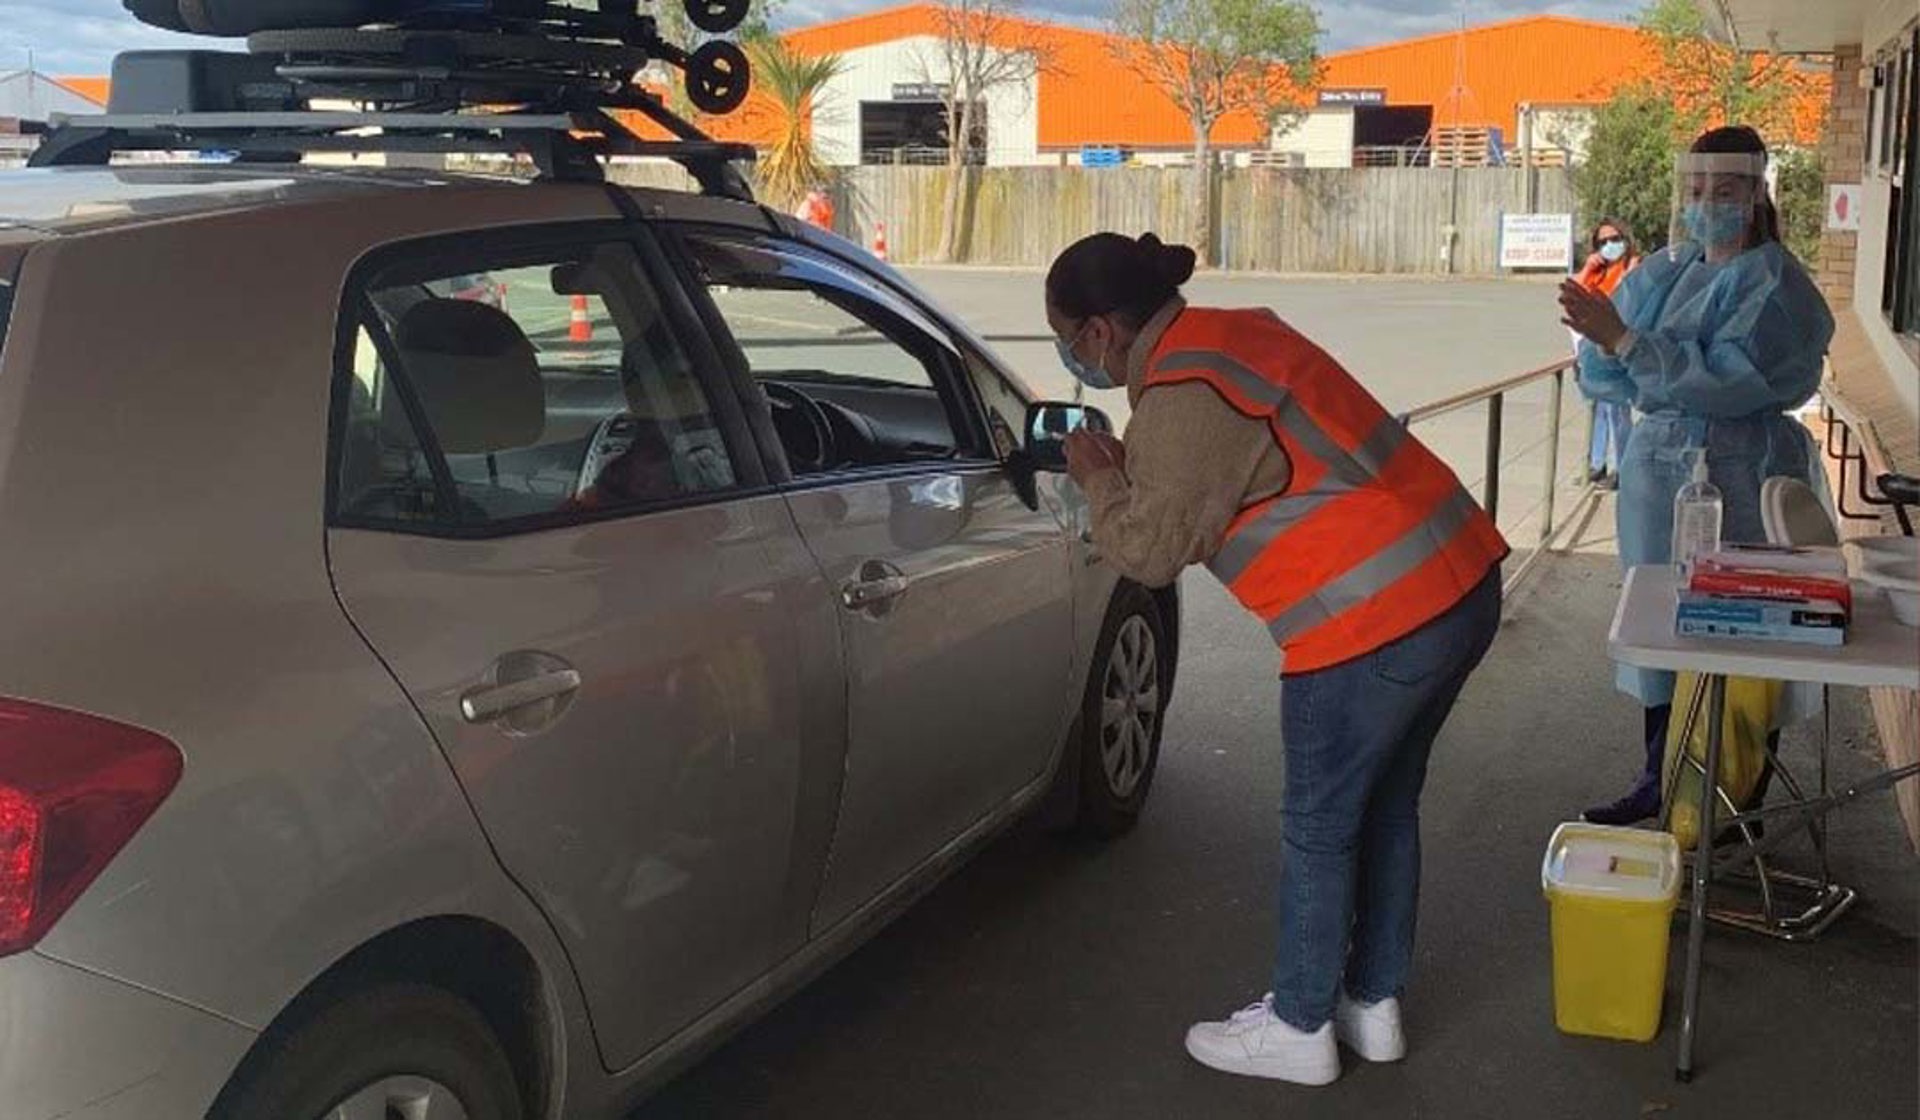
(1612, 257)
(1253, 452)
(1713, 339)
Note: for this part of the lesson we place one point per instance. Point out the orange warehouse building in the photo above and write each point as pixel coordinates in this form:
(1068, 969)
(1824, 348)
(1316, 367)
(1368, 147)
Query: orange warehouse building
(1539, 75)
(1548, 69)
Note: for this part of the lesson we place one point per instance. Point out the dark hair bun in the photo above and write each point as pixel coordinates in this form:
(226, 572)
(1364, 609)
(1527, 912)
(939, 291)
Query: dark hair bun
(1113, 274)
(1172, 265)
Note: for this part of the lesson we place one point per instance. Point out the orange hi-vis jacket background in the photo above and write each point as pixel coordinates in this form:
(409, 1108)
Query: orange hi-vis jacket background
(1374, 536)
(1598, 275)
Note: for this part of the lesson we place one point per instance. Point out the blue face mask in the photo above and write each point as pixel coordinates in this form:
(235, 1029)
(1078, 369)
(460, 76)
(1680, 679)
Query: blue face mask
(1612, 251)
(1093, 377)
(1716, 223)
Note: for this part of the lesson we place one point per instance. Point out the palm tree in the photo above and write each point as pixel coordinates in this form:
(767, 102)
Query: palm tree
(794, 83)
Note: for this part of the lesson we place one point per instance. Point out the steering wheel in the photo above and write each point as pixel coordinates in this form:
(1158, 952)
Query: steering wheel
(611, 438)
(803, 427)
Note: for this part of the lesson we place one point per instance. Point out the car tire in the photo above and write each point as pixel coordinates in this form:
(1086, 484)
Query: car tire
(1117, 737)
(390, 1045)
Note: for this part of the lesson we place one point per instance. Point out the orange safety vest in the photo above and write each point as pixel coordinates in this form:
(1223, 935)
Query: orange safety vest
(1373, 537)
(1602, 277)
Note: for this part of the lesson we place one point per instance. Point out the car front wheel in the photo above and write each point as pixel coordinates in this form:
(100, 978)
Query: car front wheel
(1122, 715)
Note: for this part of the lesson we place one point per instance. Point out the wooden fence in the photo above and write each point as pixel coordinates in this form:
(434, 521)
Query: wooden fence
(1358, 220)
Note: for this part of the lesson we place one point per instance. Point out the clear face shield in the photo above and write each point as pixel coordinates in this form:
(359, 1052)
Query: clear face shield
(1717, 198)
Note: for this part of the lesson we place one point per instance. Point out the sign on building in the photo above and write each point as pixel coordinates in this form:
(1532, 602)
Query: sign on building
(1536, 241)
(1334, 97)
(1843, 207)
(921, 91)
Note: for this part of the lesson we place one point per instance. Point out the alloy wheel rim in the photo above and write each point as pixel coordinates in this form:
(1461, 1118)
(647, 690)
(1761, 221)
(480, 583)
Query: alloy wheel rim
(400, 1097)
(1129, 706)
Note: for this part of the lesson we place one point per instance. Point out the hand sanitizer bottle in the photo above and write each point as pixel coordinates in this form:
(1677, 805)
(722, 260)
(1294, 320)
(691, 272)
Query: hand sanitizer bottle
(1697, 510)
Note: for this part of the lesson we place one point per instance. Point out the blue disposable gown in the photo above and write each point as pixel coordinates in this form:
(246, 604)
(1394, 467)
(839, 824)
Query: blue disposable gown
(1724, 350)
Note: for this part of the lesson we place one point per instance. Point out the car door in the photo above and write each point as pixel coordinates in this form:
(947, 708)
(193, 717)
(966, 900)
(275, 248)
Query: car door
(559, 536)
(953, 593)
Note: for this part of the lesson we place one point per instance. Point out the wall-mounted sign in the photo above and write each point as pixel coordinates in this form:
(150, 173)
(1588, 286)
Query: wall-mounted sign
(1843, 207)
(921, 91)
(1333, 97)
(1536, 241)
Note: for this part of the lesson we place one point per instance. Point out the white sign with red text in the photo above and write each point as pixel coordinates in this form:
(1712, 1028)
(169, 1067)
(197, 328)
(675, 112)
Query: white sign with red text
(1843, 207)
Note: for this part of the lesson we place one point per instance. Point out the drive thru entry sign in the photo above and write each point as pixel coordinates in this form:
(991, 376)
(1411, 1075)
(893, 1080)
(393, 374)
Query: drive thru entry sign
(1536, 241)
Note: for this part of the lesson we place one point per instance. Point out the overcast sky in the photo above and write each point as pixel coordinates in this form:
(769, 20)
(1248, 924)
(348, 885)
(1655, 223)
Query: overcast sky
(80, 36)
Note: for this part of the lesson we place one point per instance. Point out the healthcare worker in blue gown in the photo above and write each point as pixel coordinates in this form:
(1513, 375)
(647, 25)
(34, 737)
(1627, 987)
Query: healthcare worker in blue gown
(1714, 339)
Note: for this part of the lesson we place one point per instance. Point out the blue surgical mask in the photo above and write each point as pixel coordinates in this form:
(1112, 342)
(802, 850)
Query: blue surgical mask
(1717, 223)
(1093, 377)
(1612, 251)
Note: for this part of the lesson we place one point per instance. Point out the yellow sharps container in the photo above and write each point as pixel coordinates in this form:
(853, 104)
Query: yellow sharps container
(1611, 893)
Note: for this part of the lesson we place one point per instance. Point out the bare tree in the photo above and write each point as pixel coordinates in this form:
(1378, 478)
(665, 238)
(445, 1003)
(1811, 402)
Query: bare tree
(984, 46)
(1214, 58)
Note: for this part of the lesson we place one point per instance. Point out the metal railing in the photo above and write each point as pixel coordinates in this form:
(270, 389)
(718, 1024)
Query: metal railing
(1494, 396)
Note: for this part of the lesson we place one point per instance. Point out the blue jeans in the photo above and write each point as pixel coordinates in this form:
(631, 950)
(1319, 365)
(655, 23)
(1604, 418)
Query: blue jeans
(1357, 738)
(1612, 424)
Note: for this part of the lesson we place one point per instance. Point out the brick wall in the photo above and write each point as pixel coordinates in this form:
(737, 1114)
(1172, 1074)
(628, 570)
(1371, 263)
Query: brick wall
(1846, 152)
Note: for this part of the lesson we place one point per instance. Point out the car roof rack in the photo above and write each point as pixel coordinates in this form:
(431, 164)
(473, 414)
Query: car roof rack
(533, 78)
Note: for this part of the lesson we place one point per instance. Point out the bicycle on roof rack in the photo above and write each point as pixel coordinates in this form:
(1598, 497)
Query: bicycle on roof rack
(518, 77)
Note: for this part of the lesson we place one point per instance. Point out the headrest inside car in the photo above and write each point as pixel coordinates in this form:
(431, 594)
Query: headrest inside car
(476, 373)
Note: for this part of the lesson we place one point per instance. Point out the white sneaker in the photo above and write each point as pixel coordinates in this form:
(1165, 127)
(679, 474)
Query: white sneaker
(1371, 1030)
(1255, 1043)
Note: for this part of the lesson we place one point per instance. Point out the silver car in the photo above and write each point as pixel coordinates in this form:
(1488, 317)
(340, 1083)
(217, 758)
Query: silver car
(473, 644)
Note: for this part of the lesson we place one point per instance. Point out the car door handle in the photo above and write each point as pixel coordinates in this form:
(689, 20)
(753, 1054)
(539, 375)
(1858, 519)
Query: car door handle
(488, 705)
(864, 594)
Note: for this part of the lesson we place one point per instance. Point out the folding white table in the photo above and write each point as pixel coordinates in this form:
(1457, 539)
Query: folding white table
(1880, 652)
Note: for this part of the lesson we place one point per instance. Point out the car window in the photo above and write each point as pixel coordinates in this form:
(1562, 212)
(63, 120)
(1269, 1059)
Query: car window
(853, 379)
(1006, 404)
(527, 388)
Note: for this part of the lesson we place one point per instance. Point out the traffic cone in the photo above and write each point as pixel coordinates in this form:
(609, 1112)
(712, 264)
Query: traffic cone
(880, 240)
(579, 327)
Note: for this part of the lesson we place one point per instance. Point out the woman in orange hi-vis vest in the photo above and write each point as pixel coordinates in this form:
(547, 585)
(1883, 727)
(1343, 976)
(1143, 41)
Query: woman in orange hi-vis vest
(1253, 452)
(1612, 257)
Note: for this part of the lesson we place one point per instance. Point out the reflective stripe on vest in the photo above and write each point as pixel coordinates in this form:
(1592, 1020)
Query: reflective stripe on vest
(1283, 513)
(1380, 571)
(1346, 471)
(1353, 467)
(1368, 542)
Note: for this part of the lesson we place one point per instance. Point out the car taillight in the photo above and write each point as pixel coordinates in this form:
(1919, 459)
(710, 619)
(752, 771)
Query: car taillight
(73, 790)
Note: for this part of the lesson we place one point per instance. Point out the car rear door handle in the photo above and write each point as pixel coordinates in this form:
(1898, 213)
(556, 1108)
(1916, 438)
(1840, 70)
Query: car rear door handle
(490, 704)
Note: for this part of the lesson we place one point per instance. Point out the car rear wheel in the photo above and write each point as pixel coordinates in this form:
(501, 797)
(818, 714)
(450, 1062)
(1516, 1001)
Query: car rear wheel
(399, 1050)
(1122, 715)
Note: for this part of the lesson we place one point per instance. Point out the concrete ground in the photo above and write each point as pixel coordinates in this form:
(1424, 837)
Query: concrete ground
(1048, 979)
(1051, 979)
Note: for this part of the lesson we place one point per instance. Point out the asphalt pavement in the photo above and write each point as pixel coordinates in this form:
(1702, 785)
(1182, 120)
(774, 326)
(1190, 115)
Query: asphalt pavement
(1054, 980)
(1051, 979)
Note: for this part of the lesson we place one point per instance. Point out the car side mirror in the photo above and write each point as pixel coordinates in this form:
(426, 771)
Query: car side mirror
(1049, 423)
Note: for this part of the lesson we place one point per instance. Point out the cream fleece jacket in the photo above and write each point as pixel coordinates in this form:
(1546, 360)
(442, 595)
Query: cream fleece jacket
(1193, 463)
